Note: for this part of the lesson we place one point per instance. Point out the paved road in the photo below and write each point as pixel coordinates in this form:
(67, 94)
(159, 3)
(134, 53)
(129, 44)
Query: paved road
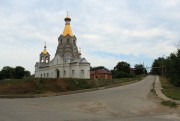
(125, 103)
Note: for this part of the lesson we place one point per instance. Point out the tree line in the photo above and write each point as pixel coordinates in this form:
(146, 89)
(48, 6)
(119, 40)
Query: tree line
(123, 70)
(168, 67)
(18, 72)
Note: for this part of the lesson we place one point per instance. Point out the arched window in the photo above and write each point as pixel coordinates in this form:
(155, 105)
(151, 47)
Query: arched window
(61, 41)
(68, 40)
(44, 75)
(47, 59)
(64, 72)
(72, 72)
(82, 72)
(42, 59)
(74, 41)
(57, 73)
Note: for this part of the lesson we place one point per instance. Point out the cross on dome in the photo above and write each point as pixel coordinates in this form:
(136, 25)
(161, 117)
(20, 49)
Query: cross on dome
(67, 13)
(45, 51)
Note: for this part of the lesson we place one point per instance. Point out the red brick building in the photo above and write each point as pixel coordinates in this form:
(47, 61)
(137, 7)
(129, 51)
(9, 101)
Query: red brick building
(100, 74)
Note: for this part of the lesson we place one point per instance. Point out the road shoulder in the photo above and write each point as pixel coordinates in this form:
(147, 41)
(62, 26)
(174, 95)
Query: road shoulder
(158, 90)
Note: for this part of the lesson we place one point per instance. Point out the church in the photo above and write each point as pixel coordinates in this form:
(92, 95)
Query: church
(67, 62)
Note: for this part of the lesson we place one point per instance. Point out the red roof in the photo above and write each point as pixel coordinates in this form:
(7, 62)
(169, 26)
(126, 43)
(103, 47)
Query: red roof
(100, 72)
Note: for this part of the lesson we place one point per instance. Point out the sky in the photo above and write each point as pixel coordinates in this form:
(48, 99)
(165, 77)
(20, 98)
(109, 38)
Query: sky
(107, 31)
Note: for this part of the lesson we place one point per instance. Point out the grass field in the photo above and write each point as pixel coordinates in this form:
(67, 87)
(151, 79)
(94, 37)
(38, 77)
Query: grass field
(169, 90)
(43, 85)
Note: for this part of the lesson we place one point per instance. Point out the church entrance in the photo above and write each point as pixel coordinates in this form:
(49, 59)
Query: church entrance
(57, 73)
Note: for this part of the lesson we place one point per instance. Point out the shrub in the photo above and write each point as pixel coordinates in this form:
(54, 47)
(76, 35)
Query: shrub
(76, 84)
(40, 86)
(121, 74)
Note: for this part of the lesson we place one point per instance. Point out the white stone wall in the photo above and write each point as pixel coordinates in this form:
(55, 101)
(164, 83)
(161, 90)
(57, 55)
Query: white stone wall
(66, 70)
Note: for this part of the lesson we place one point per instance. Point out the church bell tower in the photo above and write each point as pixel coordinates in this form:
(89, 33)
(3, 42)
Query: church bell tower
(44, 56)
(67, 47)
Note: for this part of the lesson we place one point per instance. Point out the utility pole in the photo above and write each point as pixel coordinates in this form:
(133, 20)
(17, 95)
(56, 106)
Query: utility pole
(162, 65)
(162, 70)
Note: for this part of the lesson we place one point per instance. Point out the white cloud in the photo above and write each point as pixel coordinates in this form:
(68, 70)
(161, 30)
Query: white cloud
(127, 27)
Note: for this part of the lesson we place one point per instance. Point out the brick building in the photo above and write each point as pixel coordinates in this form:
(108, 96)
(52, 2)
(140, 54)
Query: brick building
(100, 74)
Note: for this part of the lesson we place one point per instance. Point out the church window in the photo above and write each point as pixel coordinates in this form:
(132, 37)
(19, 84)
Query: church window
(82, 72)
(74, 41)
(47, 74)
(44, 75)
(72, 72)
(42, 59)
(61, 41)
(57, 73)
(47, 59)
(67, 40)
(64, 72)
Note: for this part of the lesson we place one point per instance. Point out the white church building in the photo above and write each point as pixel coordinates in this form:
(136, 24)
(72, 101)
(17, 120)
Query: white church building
(67, 62)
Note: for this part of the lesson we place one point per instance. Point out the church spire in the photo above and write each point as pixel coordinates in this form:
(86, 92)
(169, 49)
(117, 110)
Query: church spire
(44, 51)
(67, 28)
(45, 46)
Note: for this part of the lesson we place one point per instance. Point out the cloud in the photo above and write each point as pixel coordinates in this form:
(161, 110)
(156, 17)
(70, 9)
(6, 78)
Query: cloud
(107, 31)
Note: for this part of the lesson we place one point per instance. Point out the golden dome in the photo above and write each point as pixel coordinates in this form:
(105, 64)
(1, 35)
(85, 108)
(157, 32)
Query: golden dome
(44, 52)
(67, 28)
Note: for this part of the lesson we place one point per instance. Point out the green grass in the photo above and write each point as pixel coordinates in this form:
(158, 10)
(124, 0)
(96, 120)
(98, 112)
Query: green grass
(169, 103)
(169, 90)
(172, 93)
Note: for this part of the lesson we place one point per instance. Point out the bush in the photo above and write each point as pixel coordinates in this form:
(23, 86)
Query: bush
(76, 84)
(121, 74)
(40, 86)
(175, 81)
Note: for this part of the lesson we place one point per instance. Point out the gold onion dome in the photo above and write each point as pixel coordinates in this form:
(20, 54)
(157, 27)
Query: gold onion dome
(67, 28)
(44, 52)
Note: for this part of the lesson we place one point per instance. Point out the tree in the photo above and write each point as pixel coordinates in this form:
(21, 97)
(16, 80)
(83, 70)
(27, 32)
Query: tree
(169, 67)
(7, 72)
(98, 68)
(19, 72)
(121, 70)
(158, 66)
(139, 69)
(173, 68)
(1, 76)
(27, 73)
(123, 67)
